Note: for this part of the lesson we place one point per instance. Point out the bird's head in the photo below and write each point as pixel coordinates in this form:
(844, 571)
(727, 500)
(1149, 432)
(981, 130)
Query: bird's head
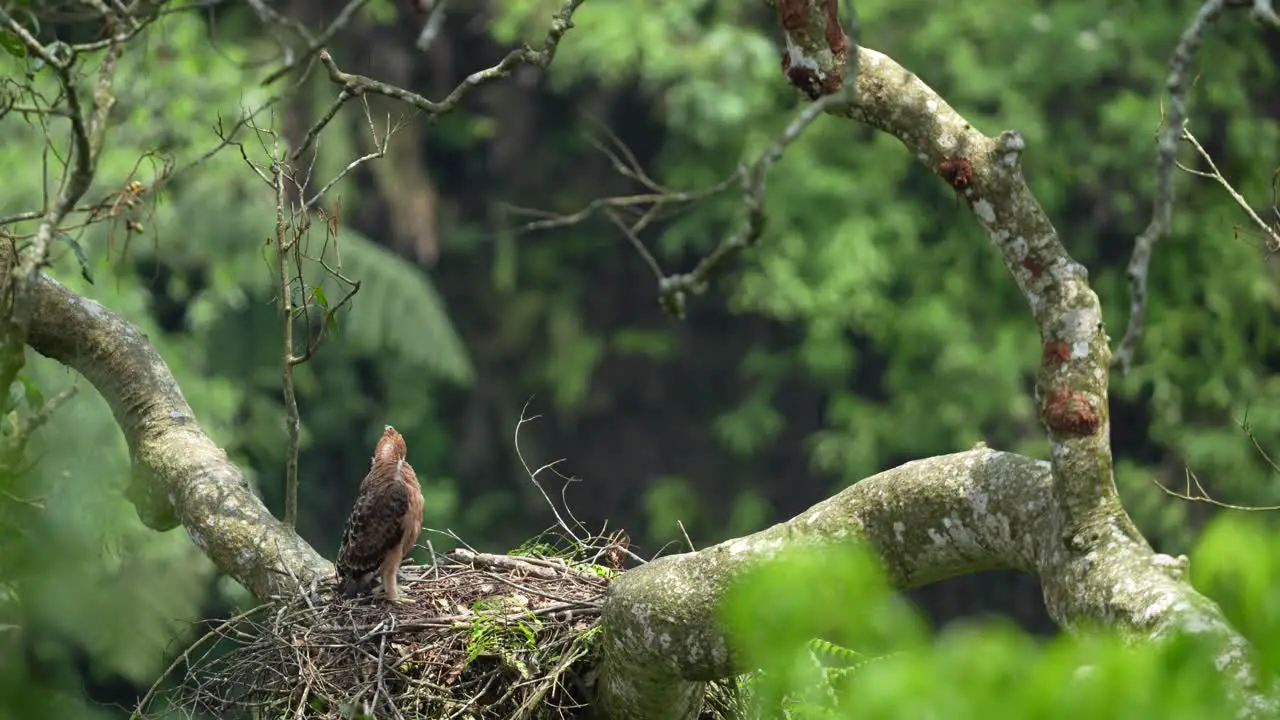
(391, 447)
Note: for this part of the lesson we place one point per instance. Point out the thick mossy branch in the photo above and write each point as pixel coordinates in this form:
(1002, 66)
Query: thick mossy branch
(179, 475)
(928, 520)
(1071, 387)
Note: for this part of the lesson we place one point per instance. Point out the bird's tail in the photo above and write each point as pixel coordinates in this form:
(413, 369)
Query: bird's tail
(350, 586)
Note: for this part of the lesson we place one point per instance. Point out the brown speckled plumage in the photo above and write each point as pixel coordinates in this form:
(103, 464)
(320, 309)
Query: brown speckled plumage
(385, 522)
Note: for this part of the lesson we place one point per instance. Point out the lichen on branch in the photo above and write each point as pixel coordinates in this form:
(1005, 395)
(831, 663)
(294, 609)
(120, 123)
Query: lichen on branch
(927, 520)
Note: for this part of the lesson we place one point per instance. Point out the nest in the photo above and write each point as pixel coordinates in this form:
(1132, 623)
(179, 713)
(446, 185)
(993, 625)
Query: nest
(505, 637)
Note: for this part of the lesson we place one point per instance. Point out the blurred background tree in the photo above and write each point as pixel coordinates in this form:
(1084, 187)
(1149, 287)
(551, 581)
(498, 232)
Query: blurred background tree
(870, 326)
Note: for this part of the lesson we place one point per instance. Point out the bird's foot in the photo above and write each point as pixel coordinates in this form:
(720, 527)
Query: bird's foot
(401, 600)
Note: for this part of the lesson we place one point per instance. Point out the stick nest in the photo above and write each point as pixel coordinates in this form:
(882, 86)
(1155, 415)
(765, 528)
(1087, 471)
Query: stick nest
(486, 636)
(499, 637)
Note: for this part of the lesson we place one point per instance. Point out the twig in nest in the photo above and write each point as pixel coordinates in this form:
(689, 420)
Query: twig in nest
(466, 645)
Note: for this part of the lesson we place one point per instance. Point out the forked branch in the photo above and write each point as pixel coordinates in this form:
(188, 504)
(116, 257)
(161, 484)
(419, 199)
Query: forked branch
(1178, 84)
(943, 516)
(355, 85)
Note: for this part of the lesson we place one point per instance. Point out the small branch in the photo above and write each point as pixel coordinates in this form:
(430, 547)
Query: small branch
(1271, 233)
(533, 476)
(284, 246)
(674, 289)
(87, 139)
(1178, 84)
(355, 85)
(341, 21)
(1195, 492)
(26, 426)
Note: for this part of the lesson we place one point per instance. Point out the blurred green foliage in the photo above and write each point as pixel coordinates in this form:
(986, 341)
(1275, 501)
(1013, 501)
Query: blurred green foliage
(880, 661)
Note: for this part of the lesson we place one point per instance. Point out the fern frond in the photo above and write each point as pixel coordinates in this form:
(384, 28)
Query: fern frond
(828, 653)
(397, 311)
(397, 308)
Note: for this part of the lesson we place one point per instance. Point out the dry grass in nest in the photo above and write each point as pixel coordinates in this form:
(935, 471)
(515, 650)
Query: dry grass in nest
(487, 636)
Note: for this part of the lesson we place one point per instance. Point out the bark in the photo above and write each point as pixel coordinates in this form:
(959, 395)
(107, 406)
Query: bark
(928, 520)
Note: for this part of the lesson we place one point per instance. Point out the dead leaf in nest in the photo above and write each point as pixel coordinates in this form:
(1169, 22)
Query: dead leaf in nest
(454, 673)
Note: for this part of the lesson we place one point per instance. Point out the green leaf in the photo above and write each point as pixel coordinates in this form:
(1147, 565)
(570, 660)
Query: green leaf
(35, 398)
(16, 395)
(12, 44)
(318, 293)
(399, 309)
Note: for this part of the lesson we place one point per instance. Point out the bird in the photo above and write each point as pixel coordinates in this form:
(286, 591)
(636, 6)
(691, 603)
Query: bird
(384, 524)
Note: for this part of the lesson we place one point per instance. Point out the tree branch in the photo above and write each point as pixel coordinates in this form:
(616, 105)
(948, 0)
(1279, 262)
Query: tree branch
(179, 475)
(928, 520)
(961, 513)
(355, 85)
(1179, 85)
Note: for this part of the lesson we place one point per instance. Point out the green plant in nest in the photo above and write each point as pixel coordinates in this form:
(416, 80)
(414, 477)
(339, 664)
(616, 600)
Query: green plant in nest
(504, 628)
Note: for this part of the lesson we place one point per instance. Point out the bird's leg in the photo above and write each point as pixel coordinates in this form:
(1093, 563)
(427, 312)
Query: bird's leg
(389, 568)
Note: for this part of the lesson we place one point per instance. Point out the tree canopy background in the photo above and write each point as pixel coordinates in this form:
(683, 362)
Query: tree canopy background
(870, 325)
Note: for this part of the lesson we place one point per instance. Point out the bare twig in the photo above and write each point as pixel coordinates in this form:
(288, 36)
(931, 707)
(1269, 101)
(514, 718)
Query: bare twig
(28, 424)
(314, 44)
(285, 243)
(1271, 232)
(355, 85)
(1195, 492)
(684, 532)
(533, 474)
(674, 289)
(1178, 84)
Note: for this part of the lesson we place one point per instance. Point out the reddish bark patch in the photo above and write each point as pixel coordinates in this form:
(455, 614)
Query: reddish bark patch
(958, 172)
(832, 82)
(836, 40)
(1068, 412)
(1056, 351)
(791, 14)
(1033, 265)
(806, 79)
